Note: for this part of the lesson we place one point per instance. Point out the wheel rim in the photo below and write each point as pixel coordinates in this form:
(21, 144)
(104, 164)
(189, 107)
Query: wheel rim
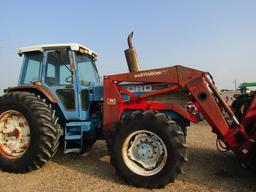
(144, 153)
(14, 134)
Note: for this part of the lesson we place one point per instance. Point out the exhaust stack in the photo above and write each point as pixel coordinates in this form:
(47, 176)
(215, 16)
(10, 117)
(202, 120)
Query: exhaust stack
(131, 56)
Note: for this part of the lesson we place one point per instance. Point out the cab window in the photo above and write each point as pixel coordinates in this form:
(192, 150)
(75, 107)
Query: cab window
(58, 68)
(31, 68)
(86, 69)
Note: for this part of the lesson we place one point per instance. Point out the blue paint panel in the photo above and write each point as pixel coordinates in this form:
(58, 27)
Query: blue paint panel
(98, 92)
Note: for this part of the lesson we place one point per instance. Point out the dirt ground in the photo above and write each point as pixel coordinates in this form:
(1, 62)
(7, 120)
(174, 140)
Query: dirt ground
(207, 170)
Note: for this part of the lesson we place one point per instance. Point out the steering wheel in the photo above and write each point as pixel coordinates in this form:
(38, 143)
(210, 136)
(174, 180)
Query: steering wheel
(69, 79)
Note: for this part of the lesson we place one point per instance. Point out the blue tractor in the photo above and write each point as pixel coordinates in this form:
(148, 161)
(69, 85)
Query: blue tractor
(59, 83)
(59, 99)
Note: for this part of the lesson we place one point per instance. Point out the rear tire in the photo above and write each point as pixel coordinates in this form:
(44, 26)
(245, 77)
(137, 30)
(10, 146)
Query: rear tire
(148, 149)
(43, 127)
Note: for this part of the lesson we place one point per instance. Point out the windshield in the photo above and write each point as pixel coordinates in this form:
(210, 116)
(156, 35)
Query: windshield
(86, 69)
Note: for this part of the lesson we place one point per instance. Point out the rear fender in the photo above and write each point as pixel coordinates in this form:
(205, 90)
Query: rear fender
(36, 89)
(43, 92)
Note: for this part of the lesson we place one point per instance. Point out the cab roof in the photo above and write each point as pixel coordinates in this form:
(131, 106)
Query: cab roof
(72, 46)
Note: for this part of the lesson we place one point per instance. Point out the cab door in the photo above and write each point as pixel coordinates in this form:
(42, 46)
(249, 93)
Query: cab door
(60, 79)
(87, 78)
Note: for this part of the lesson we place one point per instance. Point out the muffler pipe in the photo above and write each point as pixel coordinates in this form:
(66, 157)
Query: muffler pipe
(131, 56)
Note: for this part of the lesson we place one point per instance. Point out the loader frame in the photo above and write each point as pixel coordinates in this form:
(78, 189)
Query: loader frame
(204, 95)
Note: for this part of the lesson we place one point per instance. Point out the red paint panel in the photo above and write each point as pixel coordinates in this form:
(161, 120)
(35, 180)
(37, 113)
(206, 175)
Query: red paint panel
(111, 110)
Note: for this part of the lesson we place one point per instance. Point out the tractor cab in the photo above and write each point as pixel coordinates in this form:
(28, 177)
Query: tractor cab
(66, 74)
(68, 71)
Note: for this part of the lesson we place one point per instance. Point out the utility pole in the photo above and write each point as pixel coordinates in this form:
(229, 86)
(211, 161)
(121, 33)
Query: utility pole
(235, 84)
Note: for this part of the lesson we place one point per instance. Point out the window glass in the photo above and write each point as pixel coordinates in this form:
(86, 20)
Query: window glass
(58, 68)
(51, 70)
(32, 65)
(86, 69)
(65, 75)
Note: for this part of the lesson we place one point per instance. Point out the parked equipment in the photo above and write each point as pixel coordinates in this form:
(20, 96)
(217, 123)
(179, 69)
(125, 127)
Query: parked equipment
(142, 114)
(244, 86)
(243, 101)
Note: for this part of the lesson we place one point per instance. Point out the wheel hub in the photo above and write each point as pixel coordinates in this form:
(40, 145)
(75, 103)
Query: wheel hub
(144, 152)
(14, 134)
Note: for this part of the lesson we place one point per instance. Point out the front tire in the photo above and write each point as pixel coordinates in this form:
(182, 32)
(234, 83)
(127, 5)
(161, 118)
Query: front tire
(42, 132)
(148, 149)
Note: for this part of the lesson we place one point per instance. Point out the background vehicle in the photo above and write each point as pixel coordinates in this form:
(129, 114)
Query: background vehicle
(244, 87)
(243, 100)
(141, 114)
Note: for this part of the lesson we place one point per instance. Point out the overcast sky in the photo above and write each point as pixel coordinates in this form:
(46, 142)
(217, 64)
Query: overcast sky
(218, 36)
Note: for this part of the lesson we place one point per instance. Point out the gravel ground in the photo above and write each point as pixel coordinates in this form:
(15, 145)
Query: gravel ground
(207, 170)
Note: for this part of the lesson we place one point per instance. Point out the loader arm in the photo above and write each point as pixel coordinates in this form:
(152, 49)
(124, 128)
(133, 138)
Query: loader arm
(202, 91)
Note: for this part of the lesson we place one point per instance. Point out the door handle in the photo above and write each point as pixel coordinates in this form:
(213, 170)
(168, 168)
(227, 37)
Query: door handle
(69, 86)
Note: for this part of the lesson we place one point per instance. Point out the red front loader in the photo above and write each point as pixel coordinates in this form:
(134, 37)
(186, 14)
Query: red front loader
(148, 143)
